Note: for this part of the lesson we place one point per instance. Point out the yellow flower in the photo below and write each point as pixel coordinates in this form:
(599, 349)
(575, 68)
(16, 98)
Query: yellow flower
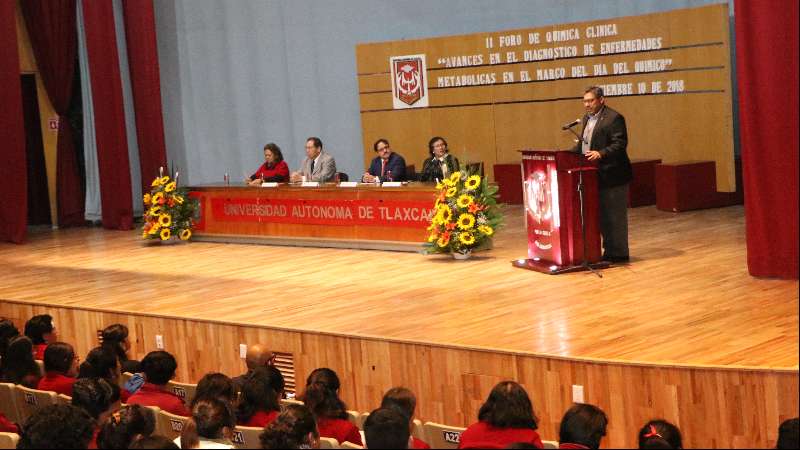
(154, 228)
(186, 234)
(466, 238)
(472, 182)
(448, 183)
(451, 192)
(442, 242)
(146, 199)
(455, 176)
(445, 212)
(165, 220)
(439, 185)
(156, 182)
(433, 237)
(144, 234)
(178, 199)
(154, 211)
(486, 229)
(164, 180)
(170, 187)
(165, 234)
(158, 198)
(464, 200)
(466, 221)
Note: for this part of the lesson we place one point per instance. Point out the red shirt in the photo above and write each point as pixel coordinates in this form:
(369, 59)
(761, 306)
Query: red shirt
(56, 382)
(260, 419)
(151, 395)
(279, 172)
(38, 351)
(571, 445)
(419, 443)
(483, 435)
(339, 429)
(6, 426)
(93, 442)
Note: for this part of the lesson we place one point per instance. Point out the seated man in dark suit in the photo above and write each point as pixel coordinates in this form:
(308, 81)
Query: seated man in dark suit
(387, 166)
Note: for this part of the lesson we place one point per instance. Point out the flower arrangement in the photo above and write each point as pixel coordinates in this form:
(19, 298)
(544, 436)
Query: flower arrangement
(168, 210)
(466, 215)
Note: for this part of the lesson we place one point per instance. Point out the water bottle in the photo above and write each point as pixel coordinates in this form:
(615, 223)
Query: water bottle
(389, 175)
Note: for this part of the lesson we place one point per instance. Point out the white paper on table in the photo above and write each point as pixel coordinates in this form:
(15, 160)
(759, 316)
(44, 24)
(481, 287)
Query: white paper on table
(269, 184)
(348, 184)
(310, 184)
(392, 184)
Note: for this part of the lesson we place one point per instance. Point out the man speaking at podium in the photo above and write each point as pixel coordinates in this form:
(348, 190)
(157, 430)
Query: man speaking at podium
(605, 140)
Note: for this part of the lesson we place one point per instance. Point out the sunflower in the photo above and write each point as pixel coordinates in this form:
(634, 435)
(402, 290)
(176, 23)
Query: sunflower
(158, 198)
(165, 234)
(466, 238)
(448, 183)
(444, 239)
(451, 192)
(165, 220)
(155, 210)
(455, 176)
(472, 182)
(433, 236)
(154, 228)
(486, 229)
(146, 199)
(186, 234)
(439, 185)
(445, 213)
(156, 182)
(164, 180)
(171, 187)
(466, 221)
(178, 199)
(464, 200)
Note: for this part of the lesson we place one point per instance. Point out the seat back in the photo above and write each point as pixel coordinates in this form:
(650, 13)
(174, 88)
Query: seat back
(361, 419)
(342, 176)
(8, 402)
(29, 400)
(418, 430)
(9, 440)
(170, 425)
(443, 436)
(348, 444)
(549, 444)
(183, 390)
(411, 172)
(328, 443)
(289, 401)
(353, 417)
(40, 363)
(474, 168)
(64, 399)
(247, 437)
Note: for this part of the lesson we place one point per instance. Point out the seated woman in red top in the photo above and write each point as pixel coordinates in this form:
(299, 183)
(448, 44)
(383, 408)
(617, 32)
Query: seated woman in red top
(259, 403)
(18, 366)
(102, 362)
(60, 369)
(41, 331)
(295, 427)
(132, 423)
(322, 398)
(274, 168)
(505, 418)
(159, 367)
(97, 397)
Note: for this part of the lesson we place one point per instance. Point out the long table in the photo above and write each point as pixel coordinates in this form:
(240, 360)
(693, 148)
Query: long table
(363, 217)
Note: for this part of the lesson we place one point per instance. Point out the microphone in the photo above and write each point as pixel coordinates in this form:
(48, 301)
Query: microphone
(571, 124)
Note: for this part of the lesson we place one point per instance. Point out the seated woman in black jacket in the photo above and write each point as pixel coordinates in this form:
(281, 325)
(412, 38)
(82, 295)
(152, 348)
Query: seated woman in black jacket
(441, 163)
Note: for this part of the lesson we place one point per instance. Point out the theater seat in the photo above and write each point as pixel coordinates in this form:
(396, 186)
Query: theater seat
(183, 390)
(348, 444)
(289, 401)
(443, 436)
(8, 402)
(550, 444)
(170, 425)
(247, 437)
(8, 440)
(328, 443)
(64, 399)
(29, 400)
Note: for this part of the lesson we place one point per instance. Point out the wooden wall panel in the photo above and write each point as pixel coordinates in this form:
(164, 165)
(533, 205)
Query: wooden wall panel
(714, 407)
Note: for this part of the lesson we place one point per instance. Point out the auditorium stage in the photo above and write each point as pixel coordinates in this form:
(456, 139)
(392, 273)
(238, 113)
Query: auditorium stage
(684, 306)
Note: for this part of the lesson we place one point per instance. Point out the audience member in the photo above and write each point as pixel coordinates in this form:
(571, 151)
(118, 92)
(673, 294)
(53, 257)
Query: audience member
(789, 434)
(97, 397)
(322, 398)
(102, 363)
(57, 427)
(8, 331)
(441, 163)
(60, 368)
(154, 442)
(386, 428)
(18, 365)
(506, 417)
(115, 337)
(387, 166)
(403, 401)
(132, 423)
(258, 355)
(210, 426)
(318, 166)
(659, 433)
(159, 367)
(7, 426)
(215, 385)
(274, 168)
(295, 427)
(41, 331)
(259, 403)
(583, 426)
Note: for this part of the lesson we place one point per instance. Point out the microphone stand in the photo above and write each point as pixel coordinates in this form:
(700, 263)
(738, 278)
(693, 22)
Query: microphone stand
(585, 264)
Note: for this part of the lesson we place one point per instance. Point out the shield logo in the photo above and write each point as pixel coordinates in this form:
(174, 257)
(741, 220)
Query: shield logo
(409, 83)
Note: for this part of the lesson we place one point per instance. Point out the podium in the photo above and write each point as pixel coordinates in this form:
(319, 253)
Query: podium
(550, 180)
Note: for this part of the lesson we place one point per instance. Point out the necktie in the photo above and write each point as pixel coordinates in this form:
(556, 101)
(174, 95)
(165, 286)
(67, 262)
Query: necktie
(312, 168)
(383, 168)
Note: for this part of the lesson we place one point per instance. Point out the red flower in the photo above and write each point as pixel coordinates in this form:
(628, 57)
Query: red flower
(450, 226)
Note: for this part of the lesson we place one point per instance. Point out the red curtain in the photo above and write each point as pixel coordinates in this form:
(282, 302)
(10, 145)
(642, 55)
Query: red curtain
(140, 33)
(109, 113)
(13, 171)
(766, 68)
(54, 38)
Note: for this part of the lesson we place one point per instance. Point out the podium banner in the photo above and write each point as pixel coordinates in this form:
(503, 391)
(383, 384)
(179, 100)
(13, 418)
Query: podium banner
(542, 215)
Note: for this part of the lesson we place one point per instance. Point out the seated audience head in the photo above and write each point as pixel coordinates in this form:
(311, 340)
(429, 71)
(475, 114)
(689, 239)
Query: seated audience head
(382, 148)
(437, 147)
(159, 367)
(97, 397)
(154, 442)
(57, 426)
(322, 395)
(115, 337)
(262, 391)
(272, 153)
(18, 361)
(522, 445)
(212, 418)
(101, 362)
(583, 424)
(295, 427)
(215, 385)
(660, 434)
(41, 329)
(386, 428)
(788, 434)
(7, 332)
(131, 424)
(401, 400)
(60, 357)
(258, 355)
(508, 406)
(313, 147)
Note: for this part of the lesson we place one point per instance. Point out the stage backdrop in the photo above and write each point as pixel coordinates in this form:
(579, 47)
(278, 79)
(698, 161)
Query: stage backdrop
(494, 93)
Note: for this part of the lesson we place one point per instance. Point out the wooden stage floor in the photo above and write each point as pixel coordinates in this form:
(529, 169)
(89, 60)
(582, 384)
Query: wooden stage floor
(685, 300)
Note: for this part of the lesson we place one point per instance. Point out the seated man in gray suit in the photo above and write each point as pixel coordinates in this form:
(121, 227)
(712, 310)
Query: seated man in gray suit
(318, 165)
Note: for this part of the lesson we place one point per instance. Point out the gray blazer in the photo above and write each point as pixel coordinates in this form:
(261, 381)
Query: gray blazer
(324, 168)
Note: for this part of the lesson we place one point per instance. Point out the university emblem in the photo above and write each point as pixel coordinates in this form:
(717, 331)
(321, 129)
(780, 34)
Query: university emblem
(409, 81)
